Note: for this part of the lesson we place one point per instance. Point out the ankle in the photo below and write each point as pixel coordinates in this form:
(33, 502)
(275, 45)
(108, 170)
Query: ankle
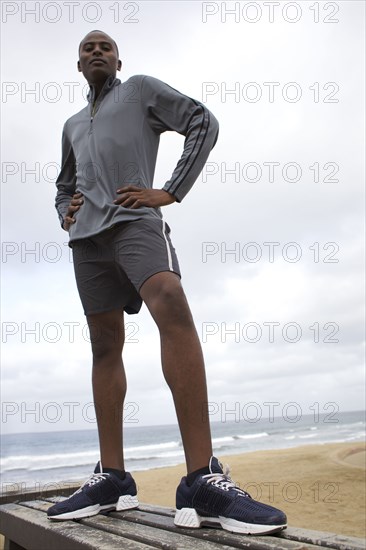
(191, 477)
(121, 474)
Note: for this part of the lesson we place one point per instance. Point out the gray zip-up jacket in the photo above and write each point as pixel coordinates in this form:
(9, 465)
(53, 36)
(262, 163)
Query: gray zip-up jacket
(114, 142)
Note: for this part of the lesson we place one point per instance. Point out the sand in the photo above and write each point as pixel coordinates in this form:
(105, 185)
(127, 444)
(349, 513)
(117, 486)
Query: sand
(320, 487)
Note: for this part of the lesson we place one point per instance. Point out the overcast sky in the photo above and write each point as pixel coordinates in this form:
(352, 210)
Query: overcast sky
(270, 238)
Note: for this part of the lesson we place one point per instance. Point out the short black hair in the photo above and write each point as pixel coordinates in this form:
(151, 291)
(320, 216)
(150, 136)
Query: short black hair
(102, 32)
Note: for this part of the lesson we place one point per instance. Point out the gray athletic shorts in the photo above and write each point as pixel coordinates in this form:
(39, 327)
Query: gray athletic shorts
(111, 267)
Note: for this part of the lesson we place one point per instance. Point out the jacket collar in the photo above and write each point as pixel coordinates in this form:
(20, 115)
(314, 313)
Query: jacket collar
(108, 85)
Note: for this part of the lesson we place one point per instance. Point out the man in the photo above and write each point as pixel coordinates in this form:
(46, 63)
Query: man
(122, 256)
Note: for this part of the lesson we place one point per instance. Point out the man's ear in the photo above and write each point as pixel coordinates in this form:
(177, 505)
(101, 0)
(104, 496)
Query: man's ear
(79, 67)
(119, 65)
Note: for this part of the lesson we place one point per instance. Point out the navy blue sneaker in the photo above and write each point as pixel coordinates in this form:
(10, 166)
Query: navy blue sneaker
(214, 500)
(102, 491)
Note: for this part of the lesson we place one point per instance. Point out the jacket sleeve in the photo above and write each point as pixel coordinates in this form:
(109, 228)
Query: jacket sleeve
(168, 109)
(66, 181)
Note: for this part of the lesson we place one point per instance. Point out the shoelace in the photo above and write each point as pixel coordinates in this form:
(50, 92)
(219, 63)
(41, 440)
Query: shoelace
(92, 480)
(224, 481)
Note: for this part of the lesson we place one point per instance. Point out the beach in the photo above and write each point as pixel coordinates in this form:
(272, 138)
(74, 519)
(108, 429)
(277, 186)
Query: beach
(320, 487)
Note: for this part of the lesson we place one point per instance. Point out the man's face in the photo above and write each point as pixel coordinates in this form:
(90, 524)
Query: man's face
(98, 57)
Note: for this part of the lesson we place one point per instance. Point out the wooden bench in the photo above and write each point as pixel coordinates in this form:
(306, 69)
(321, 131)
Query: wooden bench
(25, 525)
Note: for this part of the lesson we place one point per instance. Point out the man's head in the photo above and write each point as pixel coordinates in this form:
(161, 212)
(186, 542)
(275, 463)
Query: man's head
(98, 57)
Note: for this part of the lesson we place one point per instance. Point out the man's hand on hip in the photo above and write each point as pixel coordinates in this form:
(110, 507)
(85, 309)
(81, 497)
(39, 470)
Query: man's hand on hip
(76, 202)
(135, 197)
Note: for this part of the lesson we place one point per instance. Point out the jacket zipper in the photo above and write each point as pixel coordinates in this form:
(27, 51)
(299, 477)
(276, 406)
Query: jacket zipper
(92, 118)
(94, 109)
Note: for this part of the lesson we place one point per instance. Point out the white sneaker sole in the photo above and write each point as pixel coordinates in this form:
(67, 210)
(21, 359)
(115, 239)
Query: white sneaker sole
(125, 502)
(188, 517)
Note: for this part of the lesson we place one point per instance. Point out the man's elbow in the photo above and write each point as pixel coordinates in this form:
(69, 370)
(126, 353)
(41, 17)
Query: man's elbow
(214, 129)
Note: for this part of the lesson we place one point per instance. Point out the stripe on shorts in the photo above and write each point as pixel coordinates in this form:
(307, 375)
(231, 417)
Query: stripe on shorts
(170, 262)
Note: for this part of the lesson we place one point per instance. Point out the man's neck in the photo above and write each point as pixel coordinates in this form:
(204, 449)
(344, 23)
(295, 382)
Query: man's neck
(98, 87)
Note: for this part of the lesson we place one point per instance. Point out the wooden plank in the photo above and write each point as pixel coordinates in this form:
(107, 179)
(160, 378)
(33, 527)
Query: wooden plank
(10, 545)
(312, 539)
(165, 534)
(40, 505)
(321, 538)
(31, 529)
(137, 532)
(233, 540)
(161, 510)
(15, 492)
(162, 518)
(167, 540)
(325, 539)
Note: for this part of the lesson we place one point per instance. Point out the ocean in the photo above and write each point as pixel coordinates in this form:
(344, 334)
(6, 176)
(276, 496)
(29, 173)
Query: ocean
(35, 459)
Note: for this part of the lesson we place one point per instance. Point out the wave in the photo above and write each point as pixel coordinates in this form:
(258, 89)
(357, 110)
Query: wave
(223, 439)
(227, 439)
(143, 448)
(253, 436)
(68, 459)
(59, 460)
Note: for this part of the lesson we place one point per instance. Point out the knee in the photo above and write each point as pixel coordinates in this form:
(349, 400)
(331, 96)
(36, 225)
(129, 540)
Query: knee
(169, 305)
(105, 352)
(106, 341)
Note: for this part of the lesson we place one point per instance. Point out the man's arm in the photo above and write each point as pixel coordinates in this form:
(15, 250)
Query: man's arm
(167, 109)
(67, 200)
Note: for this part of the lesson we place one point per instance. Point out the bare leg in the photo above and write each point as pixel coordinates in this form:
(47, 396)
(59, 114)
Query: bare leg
(182, 363)
(109, 384)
